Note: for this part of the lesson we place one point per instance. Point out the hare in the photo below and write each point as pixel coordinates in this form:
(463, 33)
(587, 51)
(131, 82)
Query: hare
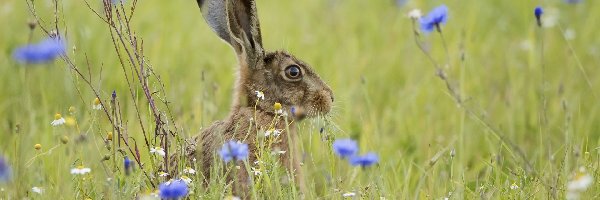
(264, 78)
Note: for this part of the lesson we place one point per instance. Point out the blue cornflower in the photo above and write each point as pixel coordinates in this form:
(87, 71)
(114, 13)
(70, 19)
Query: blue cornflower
(345, 147)
(5, 170)
(401, 3)
(437, 16)
(538, 11)
(45, 51)
(233, 150)
(174, 189)
(128, 164)
(573, 1)
(364, 160)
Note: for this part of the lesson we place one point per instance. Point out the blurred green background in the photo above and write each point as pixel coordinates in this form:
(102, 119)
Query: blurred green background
(387, 94)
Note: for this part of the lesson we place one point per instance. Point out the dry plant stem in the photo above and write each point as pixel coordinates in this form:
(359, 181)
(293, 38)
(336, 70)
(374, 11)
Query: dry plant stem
(88, 82)
(458, 99)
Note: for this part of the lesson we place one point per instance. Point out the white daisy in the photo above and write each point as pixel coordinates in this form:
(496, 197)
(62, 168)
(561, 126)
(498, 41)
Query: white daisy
(163, 174)
(273, 132)
(514, 186)
(80, 170)
(232, 198)
(158, 150)
(277, 152)
(189, 170)
(186, 179)
(349, 194)
(260, 95)
(580, 182)
(256, 172)
(38, 190)
(58, 120)
(96, 105)
(415, 14)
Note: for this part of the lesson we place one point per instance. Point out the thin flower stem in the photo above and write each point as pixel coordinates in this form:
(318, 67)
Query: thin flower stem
(578, 61)
(439, 30)
(458, 99)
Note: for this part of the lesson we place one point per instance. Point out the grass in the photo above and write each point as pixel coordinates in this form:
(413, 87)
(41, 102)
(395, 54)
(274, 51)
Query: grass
(388, 97)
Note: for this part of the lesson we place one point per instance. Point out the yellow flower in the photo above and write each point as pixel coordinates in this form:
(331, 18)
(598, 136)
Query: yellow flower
(64, 139)
(70, 121)
(58, 120)
(109, 136)
(97, 105)
(37, 146)
(72, 109)
(277, 106)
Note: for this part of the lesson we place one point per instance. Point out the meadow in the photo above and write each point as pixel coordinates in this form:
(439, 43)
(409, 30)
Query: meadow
(514, 115)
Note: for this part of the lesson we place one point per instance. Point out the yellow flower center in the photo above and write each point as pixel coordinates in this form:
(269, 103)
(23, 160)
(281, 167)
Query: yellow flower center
(579, 176)
(80, 167)
(64, 139)
(57, 116)
(109, 136)
(70, 121)
(96, 101)
(277, 106)
(37, 146)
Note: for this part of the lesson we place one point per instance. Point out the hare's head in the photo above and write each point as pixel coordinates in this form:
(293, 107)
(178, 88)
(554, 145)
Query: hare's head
(280, 76)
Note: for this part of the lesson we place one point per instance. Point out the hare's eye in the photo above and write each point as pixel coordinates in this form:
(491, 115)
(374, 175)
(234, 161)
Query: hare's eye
(293, 72)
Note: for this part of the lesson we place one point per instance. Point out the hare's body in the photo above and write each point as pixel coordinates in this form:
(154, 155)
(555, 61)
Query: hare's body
(280, 76)
(239, 127)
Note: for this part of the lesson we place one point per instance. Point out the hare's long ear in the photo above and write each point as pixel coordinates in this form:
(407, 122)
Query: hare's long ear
(236, 22)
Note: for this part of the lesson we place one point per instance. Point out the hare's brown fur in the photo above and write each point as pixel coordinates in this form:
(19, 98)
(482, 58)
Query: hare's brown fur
(236, 22)
(310, 97)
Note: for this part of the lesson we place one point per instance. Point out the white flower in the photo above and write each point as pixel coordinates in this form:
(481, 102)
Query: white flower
(232, 198)
(158, 150)
(58, 120)
(273, 132)
(278, 152)
(186, 179)
(97, 105)
(257, 162)
(580, 182)
(260, 95)
(163, 174)
(80, 170)
(189, 170)
(256, 171)
(38, 190)
(550, 17)
(415, 14)
(514, 186)
(349, 194)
